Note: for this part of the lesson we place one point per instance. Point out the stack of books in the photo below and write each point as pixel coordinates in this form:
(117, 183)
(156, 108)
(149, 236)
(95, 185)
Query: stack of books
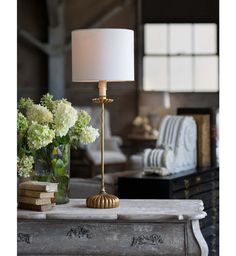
(36, 195)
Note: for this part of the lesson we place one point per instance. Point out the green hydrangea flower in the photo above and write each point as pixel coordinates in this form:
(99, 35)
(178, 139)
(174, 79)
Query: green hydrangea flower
(22, 123)
(83, 119)
(47, 101)
(25, 103)
(39, 135)
(39, 114)
(25, 165)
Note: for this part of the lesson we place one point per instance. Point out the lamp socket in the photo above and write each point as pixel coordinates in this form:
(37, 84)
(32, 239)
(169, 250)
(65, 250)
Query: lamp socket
(102, 86)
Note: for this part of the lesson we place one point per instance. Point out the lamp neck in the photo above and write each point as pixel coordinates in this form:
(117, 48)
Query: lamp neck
(102, 86)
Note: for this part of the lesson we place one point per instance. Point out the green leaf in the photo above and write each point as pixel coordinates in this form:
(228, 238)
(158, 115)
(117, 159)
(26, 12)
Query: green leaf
(54, 161)
(59, 167)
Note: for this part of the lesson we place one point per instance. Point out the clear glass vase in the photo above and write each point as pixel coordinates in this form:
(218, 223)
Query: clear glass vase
(52, 164)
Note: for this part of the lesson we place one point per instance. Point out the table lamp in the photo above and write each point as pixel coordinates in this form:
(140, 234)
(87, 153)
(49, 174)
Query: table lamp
(102, 55)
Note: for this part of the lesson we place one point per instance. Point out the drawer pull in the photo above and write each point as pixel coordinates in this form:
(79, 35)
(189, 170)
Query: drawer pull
(25, 238)
(198, 179)
(186, 183)
(151, 240)
(214, 210)
(78, 232)
(186, 194)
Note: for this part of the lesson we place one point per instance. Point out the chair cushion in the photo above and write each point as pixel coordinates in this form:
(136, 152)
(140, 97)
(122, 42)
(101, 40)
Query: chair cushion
(110, 157)
(136, 161)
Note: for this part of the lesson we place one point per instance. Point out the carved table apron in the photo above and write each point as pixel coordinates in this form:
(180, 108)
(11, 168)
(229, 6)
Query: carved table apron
(137, 227)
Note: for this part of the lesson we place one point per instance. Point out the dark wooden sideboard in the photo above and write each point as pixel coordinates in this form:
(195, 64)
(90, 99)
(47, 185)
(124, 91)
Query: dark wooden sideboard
(194, 184)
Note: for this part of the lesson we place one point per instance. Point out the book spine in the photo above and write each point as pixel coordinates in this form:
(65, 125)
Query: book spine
(213, 135)
(32, 207)
(39, 187)
(34, 201)
(35, 194)
(36, 187)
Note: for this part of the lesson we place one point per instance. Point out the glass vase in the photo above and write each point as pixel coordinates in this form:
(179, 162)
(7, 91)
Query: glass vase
(52, 164)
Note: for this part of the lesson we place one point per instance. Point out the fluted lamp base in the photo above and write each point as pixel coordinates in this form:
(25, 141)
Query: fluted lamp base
(102, 201)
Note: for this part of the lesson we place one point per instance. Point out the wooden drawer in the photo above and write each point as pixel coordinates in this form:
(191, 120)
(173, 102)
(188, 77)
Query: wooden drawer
(210, 199)
(99, 238)
(212, 217)
(211, 235)
(191, 191)
(213, 245)
(209, 231)
(200, 178)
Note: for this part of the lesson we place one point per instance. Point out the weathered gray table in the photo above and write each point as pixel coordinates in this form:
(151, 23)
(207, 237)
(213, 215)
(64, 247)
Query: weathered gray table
(137, 227)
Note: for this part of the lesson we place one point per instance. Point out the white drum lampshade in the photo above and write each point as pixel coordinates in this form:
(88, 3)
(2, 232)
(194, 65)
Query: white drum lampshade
(102, 55)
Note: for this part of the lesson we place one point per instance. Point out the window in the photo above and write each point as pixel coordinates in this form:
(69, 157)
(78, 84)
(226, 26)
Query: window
(180, 57)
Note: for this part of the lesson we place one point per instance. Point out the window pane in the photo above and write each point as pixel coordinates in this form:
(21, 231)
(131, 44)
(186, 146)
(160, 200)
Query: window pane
(205, 39)
(181, 74)
(180, 39)
(155, 38)
(155, 75)
(206, 74)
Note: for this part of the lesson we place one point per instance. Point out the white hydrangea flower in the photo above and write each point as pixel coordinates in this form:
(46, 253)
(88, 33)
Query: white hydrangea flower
(89, 135)
(65, 117)
(39, 114)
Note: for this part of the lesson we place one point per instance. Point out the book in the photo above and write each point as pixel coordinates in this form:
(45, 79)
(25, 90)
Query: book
(203, 140)
(40, 208)
(213, 135)
(35, 194)
(39, 186)
(34, 201)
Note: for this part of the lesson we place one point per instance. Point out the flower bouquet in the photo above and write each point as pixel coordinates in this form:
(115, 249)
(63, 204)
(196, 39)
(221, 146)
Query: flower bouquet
(45, 133)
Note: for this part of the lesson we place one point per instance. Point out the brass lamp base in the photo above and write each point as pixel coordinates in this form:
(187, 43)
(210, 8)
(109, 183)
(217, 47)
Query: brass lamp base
(102, 201)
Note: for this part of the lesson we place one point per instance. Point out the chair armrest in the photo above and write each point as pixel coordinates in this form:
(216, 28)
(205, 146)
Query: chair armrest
(118, 140)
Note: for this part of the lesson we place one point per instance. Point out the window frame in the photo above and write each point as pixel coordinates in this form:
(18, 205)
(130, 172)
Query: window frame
(169, 55)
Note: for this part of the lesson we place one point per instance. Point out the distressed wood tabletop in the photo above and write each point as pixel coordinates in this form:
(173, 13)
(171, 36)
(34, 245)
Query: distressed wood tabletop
(128, 210)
